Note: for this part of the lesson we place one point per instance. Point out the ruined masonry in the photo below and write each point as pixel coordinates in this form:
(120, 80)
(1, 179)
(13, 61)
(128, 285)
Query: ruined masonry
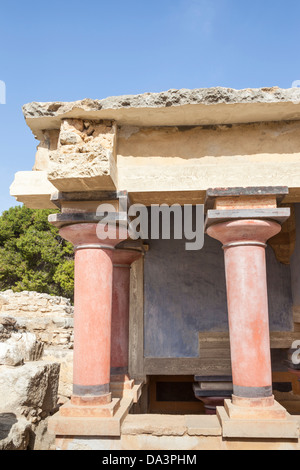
(176, 349)
(36, 363)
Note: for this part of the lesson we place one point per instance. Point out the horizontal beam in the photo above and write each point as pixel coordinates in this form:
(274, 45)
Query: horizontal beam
(219, 216)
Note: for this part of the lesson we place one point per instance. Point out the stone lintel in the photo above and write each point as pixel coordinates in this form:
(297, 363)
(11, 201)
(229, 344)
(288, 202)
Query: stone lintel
(279, 215)
(174, 107)
(33, 189)
(245, 202)
(87, 196)
(89, 202)
(61, 220)
(212, 194)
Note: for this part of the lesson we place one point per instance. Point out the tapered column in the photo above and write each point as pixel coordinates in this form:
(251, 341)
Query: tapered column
(244, 243)
(93, 310)
(122, 260)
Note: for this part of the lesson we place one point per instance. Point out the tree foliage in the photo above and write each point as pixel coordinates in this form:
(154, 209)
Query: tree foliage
(33, 256)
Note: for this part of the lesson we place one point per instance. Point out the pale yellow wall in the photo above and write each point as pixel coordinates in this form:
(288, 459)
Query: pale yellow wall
(170, 159)
(155, 161)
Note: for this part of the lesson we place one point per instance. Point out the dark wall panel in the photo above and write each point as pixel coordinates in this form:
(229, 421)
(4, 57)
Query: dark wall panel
(185, 293)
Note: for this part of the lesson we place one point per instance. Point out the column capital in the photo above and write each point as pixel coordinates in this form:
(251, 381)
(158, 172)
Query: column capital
(125, 257)
(85, 235)
(244, 232)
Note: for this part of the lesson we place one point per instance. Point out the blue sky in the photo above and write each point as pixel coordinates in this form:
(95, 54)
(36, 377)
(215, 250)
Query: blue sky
(70, 50)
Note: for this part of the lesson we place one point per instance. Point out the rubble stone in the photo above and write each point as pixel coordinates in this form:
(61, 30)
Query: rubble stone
(14, 432)
(31, 386)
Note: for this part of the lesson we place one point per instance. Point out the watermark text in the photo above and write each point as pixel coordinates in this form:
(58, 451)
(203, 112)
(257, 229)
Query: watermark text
(157, 222)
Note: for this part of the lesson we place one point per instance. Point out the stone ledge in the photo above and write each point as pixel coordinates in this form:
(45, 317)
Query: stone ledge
(284, 429)
(170, 432)
(180, 107)
(157, 425)
(203, 426)
(220, 216)
(170, 425)
(33, 189)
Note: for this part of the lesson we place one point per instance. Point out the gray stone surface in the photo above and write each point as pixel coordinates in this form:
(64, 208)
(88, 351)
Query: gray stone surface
(30, 389)
(199, 107)
(49, 318)
(168, 98)
(20, 347)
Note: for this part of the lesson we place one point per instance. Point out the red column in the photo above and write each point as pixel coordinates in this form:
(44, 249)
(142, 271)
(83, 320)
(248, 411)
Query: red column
(122, 260)
(244, 248)
(92, 312)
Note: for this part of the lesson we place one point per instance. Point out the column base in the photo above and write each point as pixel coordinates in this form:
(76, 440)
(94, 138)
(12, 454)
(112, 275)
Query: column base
(102, 400)
(89, 411)
(98, 421)
(275, 411)
(265, 402)
(272, 422)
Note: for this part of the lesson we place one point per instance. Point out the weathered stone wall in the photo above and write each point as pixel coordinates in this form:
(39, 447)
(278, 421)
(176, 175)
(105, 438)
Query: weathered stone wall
(49, 318)
(36, 342)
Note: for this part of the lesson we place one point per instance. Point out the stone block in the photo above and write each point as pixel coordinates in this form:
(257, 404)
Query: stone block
(257, 428)
(85, 158)
(10, 355)
(33, 385)
(90, 426)
(247, 413)
(20, 347)
(199, 425)
(157, 425)
(65, 359)
(33, 189)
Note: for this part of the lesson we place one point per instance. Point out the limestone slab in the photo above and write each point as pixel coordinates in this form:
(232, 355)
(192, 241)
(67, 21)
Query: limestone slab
(181, 107)
(257, 429)
(157, 425)
(279, 215)
(33, 385)
(201, 425)
(33, 189)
